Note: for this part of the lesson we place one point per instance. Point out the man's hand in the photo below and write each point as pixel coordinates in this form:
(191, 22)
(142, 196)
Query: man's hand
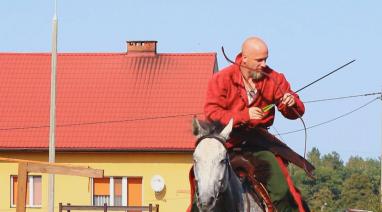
(255, 113)
(288, 100)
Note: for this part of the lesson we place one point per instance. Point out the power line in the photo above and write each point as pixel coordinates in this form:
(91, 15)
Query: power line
(344, 97)
(331, 120)
(277, 132)
(100, 122)
(169, 116)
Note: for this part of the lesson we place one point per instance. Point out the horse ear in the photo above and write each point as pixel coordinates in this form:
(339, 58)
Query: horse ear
(197, 130)
(227, 130)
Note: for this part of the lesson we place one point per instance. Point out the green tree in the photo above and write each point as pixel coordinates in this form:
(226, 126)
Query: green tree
(369, 169)
(354, 185)
(357, 192)
(332, 160)
(331, 174)
(322, 200)
(314, 157)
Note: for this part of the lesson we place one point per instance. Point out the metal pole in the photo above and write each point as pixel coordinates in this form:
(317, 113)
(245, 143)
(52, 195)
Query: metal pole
(52, 124)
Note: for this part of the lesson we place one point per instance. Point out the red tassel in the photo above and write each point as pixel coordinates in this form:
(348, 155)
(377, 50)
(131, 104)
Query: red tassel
(191, 178)
(296, 195)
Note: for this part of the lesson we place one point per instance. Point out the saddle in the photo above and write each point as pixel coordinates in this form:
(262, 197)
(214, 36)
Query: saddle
(243, 166)
(255, 171)
(260, 138)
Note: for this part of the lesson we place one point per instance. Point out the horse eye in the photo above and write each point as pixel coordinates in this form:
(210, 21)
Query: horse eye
(224, 161)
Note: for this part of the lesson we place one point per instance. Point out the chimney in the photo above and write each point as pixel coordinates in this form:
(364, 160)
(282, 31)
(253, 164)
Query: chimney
(138, 47)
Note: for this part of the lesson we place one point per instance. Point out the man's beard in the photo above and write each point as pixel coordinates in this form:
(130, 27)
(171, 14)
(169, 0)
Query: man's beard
(256, 75)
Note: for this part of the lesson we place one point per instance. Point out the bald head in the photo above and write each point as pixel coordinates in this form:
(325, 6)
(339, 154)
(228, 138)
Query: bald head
(254, 45)
(255, 54)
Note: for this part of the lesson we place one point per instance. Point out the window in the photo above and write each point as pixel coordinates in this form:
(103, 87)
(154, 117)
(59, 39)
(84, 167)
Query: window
(117, 191)
(33, 191)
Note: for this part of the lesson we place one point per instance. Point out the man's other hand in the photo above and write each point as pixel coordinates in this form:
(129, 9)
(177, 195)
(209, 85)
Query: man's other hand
(288, 100)
(255, 113)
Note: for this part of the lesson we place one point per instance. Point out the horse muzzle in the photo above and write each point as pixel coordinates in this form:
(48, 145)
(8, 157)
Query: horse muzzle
(206, 203)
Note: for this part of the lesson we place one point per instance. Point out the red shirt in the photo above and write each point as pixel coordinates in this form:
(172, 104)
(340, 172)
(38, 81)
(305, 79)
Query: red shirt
(227, 97)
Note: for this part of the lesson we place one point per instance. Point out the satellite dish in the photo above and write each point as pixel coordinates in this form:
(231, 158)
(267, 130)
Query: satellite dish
(157, 183)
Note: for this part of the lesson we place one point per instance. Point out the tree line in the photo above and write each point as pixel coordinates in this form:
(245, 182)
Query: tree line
(337, 185)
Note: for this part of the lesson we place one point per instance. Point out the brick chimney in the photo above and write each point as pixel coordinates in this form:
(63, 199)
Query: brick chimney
(138, 47)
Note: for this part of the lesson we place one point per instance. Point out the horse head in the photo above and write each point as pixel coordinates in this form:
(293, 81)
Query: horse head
(211, 163)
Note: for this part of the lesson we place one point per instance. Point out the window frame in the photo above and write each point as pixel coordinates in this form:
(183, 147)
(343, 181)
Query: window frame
(111, 190)
(30, 184)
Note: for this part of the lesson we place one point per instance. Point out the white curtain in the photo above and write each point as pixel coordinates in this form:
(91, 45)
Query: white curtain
(100, 200)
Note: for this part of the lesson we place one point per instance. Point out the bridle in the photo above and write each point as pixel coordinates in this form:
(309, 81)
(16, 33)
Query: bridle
(226, 162)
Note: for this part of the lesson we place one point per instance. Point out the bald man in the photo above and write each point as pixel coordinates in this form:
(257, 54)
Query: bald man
(243, 91)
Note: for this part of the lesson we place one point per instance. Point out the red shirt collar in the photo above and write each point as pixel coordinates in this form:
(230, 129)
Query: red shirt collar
(237, 77)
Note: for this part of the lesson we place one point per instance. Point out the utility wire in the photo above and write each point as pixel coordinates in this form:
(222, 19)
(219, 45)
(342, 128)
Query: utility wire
(331, 120)
(277, 132)
(165, 117)
(344, 97)
(100, 122)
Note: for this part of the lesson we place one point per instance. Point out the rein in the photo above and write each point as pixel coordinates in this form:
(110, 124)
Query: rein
(227, 160)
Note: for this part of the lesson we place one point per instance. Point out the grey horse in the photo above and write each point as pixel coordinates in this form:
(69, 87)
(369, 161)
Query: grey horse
(218, 189)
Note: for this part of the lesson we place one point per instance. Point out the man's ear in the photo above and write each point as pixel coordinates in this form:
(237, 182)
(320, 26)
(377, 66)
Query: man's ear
(244, 59)
(227, 130)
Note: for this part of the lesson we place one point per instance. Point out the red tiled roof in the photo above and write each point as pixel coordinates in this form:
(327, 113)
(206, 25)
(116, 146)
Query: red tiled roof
(110, 101)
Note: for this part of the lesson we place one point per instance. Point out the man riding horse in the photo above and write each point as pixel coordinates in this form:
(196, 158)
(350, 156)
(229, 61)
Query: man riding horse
(247, 92)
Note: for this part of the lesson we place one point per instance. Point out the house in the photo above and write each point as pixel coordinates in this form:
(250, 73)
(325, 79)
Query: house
(126, 113)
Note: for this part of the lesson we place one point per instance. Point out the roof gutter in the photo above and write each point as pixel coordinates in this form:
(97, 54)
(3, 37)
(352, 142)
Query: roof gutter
(183, 150)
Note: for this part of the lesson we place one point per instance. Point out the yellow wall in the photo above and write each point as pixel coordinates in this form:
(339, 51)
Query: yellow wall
(173, 167)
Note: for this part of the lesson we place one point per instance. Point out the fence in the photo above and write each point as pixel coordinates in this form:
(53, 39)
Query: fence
(68, 208)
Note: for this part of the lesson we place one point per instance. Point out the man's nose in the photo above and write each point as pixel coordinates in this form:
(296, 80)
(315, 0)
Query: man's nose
(263, 64)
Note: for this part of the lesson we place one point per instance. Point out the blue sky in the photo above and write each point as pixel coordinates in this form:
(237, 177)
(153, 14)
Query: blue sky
(307, 39)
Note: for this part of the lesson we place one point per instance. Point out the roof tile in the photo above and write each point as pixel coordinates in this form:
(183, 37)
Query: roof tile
(105, 101)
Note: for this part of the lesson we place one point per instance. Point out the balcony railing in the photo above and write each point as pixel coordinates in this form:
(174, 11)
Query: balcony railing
(68, 208)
